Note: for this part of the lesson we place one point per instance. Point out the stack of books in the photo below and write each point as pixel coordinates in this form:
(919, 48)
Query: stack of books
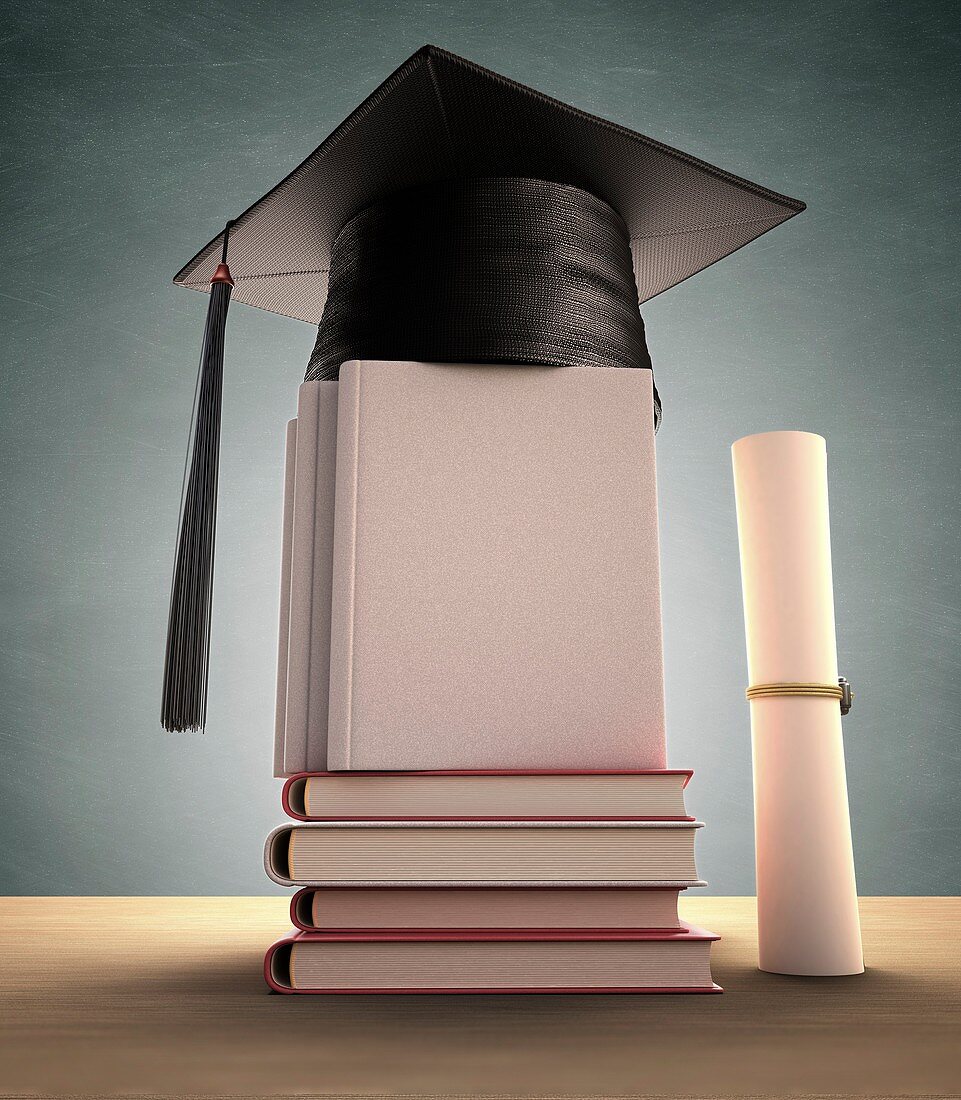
(470, 595)
(476, 882)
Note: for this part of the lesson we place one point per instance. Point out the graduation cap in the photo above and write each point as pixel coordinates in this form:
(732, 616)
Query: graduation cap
(454, 216)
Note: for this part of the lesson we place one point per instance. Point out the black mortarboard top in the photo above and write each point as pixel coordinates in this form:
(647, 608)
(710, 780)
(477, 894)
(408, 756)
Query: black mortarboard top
(454, 216)
(441, 117)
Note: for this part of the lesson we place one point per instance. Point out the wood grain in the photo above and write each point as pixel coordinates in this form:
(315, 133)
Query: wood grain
(166, 998)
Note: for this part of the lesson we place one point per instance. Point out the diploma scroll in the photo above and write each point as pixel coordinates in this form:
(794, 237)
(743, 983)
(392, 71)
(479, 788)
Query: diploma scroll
(807, 896)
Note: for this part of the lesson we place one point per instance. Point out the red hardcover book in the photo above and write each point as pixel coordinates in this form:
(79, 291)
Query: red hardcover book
(417, 910)
(492, 961)
(655, 795)
(558, 852)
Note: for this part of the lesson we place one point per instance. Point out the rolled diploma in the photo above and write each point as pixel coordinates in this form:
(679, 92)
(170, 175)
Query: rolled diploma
(806, 891)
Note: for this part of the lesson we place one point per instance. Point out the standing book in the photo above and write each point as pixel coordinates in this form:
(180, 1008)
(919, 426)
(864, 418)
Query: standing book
(495, 596)
(303, 670)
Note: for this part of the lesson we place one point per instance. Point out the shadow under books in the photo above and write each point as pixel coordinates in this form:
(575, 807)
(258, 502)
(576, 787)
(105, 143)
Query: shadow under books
(765, 1000)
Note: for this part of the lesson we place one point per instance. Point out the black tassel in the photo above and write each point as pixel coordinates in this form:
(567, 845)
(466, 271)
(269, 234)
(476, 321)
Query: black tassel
(184, 705)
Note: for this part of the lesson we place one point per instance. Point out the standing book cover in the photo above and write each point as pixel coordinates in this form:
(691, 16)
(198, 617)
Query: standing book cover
(495, 569)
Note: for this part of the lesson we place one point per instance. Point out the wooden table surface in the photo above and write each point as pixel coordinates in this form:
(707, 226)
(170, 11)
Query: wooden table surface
(164, 997)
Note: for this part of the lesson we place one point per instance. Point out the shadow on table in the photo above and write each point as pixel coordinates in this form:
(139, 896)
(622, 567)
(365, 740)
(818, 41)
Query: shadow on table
(199, 986)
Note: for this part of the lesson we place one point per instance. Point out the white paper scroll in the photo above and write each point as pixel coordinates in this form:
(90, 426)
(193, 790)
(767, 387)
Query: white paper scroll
(807, 896)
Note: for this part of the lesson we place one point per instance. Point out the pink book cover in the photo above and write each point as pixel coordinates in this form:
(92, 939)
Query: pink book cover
(278, 954)
(495, 592)
(294, 784)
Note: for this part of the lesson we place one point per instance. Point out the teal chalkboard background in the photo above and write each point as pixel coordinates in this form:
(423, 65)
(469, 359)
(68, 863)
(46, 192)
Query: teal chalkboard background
(131, 131)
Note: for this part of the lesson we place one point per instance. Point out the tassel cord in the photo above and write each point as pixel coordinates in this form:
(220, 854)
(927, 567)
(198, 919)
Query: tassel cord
(187, 657)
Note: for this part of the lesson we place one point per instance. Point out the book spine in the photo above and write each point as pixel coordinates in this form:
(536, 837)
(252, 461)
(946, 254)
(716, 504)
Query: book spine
(301, 581)
(283, 633)
(322, 574)
(344, 568)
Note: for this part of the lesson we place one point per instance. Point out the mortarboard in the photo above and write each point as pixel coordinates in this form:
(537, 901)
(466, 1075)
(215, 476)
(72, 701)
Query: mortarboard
(454, 216)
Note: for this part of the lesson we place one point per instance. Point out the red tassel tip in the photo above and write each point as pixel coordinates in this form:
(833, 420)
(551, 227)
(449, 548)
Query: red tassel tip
(222, 275)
